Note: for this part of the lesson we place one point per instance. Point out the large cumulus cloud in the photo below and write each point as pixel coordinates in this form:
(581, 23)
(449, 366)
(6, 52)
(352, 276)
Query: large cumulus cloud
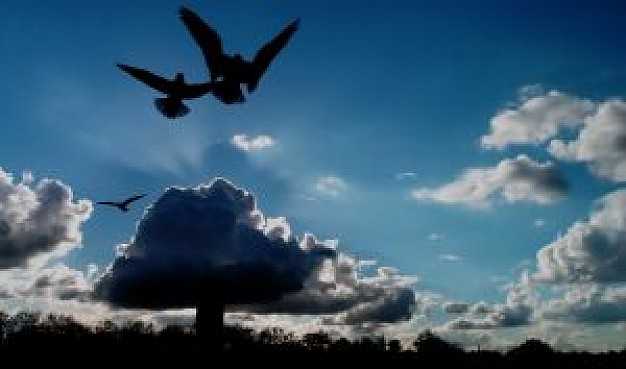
(207, 243)
(518, 179)
(211, 243)
(598, 128)
(38, 220)
(592, 250)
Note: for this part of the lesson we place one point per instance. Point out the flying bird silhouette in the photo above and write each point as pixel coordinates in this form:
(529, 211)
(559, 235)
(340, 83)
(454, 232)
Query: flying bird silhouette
(122, 205)
(233, 70)
(176, 89)
(227, 91)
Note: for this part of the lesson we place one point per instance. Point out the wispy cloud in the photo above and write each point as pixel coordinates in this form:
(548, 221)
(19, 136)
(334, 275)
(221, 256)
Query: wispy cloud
(331, 185)
(452, 258)
(405, 175)
(435, 237)
(245, 143)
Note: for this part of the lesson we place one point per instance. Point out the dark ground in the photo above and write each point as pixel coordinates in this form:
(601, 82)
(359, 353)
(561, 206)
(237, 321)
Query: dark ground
(30, 339)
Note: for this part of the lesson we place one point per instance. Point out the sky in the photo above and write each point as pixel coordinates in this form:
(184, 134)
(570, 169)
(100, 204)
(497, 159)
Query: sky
(472, 150)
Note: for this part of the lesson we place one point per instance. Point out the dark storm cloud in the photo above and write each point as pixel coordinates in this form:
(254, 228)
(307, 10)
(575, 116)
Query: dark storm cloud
(208, 243)
(211, 243)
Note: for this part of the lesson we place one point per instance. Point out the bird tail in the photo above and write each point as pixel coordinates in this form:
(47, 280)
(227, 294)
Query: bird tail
(171, 108)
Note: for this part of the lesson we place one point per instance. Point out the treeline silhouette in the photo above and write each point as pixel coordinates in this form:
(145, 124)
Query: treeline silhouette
(33, 337)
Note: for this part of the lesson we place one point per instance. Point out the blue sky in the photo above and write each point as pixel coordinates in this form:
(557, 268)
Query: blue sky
(360, 95)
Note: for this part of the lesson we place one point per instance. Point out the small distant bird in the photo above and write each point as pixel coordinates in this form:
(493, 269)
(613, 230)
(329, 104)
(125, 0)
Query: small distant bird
(176, 89)
(234, 70)
(122, 205)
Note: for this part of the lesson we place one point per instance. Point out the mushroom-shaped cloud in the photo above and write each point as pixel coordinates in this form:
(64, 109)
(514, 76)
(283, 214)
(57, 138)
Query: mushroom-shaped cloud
(208, 244)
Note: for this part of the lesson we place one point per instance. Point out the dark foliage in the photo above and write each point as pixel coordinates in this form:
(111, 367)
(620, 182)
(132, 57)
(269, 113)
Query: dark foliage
(32, 338)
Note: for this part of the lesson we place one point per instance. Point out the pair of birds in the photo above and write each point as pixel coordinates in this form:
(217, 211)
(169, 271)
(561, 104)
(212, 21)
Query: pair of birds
(227, 72)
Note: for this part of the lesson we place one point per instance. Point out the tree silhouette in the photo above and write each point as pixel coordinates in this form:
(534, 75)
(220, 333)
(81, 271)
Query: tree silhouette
(26, 333)
(428, 343)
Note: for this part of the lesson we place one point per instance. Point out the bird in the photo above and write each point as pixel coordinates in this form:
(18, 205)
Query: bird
(233, 70)
(122, 205)
(176, 89)
(228, 92)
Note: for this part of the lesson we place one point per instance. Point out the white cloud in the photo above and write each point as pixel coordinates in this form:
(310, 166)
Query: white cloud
(340, 290)
(601, 143)
(518, 309)
(590, 251)
(600, 128)
(452, 258)
(537, 120)
(530, 91)
(245, 143)
(480, 308)
(331, 185)
(434, 237)
(56, 289)
(38, 222)
(588, 303)
(455, 307)
(519, 179)
(405, 175)
(57, 282)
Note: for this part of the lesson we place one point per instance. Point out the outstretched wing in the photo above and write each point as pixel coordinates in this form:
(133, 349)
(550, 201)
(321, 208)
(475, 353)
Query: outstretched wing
(157, 82)
(268, 52)
(195, 90)
(107, 203)
(131, 199)
(207, 39)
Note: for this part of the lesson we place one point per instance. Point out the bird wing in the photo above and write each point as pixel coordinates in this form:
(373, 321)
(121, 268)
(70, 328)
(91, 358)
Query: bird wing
(131, 199)
(157, 82)
(268, 52)
(195, 90)
(207, 39)
(107, 203)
